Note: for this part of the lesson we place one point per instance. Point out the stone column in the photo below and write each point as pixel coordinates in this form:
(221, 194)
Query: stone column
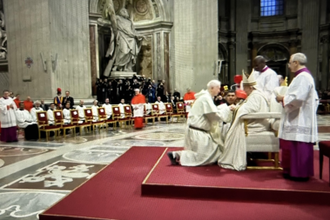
(243, 19)
(310, 35)
(325, 63)
(195, 43)
(56, 39)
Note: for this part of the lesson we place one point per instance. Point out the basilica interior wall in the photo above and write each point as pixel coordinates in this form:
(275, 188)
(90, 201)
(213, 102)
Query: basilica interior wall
(28, 37)
(194, 43)
(48, 49)
(69, 37)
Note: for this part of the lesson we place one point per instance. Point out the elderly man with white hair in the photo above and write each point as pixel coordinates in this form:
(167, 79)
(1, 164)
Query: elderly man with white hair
(234, 151)
(298, 128)
(202, 139)
(35, 109)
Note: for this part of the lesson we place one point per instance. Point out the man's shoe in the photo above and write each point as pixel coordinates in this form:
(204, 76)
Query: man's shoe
(172, 159)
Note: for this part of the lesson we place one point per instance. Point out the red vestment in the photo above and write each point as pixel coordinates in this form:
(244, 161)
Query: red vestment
(138, 120)
(28, 105)
(17, 101)
(189, 96)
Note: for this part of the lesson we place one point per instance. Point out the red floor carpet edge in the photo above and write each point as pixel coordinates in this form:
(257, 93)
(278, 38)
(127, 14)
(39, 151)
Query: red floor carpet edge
(115, 193)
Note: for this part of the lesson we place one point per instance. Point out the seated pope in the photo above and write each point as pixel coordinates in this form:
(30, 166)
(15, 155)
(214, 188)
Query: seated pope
(202, 138)
(234, 150)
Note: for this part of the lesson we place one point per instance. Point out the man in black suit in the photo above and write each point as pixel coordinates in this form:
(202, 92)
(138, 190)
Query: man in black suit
(68, 98)
(43, 105)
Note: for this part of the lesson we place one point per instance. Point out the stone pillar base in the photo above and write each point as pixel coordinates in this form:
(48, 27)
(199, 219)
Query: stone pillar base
(121, 75)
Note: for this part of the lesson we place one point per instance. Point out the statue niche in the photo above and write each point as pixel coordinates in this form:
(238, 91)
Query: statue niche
(125, 42)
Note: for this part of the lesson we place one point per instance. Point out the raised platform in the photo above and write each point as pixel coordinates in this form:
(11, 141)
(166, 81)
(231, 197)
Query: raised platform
(213, 182)
(115, 193)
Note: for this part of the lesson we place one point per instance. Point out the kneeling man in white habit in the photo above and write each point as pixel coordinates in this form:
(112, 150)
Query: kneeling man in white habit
(203, 141)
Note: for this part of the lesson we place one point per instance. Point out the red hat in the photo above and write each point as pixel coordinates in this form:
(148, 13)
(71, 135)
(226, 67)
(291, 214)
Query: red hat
(241, 94)
(59, 90)
(238, 79)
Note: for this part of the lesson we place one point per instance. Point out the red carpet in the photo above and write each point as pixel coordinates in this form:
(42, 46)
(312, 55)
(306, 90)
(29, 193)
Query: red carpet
(212, 182)
(115, 193)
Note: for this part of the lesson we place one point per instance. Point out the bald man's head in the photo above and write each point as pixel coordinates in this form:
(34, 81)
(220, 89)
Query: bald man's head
(259, 63)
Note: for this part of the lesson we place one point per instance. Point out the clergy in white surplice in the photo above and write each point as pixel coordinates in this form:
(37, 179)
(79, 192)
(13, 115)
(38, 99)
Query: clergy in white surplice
(108, 108)
(8, 118)
(35, 109)
(66, 114)
(298, 127)
(25, 121)
(94, 111)
(266, 78)
(81, 112)
(50, 114)
(161, 105)
(234, 151)
(203, 141)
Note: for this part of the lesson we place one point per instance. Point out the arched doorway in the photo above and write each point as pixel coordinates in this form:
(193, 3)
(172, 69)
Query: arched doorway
(277, 56)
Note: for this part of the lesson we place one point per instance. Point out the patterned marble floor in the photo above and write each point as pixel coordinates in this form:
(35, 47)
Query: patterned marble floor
(35, 175)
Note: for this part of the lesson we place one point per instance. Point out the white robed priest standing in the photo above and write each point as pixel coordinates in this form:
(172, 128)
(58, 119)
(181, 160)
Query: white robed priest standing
(298, 126)
(8, 118)
(234, 151)
(203, 141)
(266, 78)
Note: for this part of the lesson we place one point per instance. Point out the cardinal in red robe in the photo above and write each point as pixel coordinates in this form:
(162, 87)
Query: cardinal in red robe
(138, 102)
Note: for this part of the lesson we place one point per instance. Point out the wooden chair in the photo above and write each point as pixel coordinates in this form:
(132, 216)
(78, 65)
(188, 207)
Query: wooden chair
(170, 112)
(165, 115)
(103, 117)
(324, 147)
(89, 119)
(75, 120)
(147, 116)
(116, 115)
(180, 109)
(59, 121)
(42, 120)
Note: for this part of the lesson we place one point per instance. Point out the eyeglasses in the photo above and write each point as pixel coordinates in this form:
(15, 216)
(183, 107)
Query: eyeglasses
(289, 63)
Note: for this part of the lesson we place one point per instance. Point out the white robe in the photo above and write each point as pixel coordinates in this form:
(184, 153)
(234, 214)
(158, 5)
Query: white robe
(7, 116)
(202, 147)
(34, 111)
(162, 108)
(24, 118)
(234, 153)
(121, 109)
(148, 108)
(66, 116)
(227, 118)
(95, 113)
(188, 104)
(266, 82)
(138, 110)
(50, 116)
(108, 109)
(81, 112)
(299, 122)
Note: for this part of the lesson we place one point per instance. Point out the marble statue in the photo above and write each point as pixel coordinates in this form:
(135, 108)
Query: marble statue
(125, 42)
(3, 37)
